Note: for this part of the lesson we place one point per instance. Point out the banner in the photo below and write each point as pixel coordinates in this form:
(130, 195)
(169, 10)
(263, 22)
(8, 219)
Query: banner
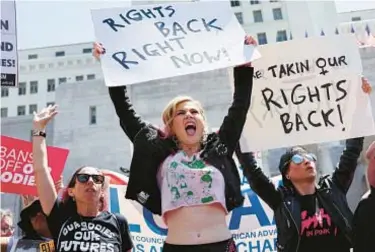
(150, 42)
(307, 91)
(16, 165)
(9, 56)
(252, 225)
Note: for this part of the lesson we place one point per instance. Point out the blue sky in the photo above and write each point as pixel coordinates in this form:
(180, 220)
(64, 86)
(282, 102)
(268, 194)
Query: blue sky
(53, 22)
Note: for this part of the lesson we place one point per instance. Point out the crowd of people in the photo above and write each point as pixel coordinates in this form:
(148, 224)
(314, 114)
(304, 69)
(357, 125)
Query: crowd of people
(188, 176)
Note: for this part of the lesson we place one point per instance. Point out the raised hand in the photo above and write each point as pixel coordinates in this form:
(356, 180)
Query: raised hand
(42, 118)
(98, 50)
(366, 87)
(250, 41)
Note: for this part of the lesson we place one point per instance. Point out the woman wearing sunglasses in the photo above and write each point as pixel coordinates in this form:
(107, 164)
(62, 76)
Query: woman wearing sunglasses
(309, 216)
(79, 221)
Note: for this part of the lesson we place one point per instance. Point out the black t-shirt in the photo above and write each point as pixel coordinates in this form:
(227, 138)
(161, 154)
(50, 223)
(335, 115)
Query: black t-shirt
(318, 232)
(72, 232)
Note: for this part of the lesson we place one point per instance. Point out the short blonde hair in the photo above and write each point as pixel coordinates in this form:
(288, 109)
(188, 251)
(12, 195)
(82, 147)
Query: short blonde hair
(170, 110)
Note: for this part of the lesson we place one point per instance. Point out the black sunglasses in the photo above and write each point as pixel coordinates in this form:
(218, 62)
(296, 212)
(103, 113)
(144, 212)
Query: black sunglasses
(83, 178)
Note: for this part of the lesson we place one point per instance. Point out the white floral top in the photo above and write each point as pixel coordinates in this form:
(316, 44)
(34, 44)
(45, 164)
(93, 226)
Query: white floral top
(189, 181)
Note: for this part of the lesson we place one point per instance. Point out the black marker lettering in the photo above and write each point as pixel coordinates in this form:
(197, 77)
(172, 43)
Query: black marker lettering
(112, 24)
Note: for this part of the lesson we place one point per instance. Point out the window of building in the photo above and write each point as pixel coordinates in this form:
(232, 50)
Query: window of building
(32, 67)
(33, 108)
(22, 88)
(79, 78)
(33, 87)
(356, 19)
(258, 18)
(4, 92)
(281, 36)
(21, 110)
(41, 66)
(92, 114)
(277, 14)
(32, 56)
(87, 50)
(91, 76)
(239, 17)
(234, 3)
(4, 112)
(60, 54)
(62, 80)
(273, 1)
(262, 38)
(51, 85)
(254, 2)
(50, 104)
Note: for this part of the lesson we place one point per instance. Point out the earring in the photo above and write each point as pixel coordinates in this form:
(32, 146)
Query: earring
(74, 199)
(287, 176)
(175, 140)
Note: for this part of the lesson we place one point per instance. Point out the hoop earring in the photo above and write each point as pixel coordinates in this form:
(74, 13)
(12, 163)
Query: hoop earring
(175, 140)
(287, 177)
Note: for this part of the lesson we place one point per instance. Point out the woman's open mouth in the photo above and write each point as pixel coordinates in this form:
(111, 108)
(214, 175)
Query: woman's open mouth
(190, 128)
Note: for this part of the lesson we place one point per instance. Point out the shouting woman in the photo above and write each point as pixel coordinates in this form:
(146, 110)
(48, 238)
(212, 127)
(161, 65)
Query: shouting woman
(184, 173)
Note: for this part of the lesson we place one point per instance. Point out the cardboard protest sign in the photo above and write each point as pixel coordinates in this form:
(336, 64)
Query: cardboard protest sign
(252, 225)
(16, 165)
(151, 42)
(307, 91)
(9, 56)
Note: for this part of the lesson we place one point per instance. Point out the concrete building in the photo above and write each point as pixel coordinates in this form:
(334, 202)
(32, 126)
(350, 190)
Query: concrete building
(42, 70)
(355, 16)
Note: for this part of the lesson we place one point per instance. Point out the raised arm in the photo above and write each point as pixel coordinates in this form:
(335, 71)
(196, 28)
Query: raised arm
(130, 122)
(233, 123)
(344, 172)
(258, 181)
(231, 128)
(43, 179)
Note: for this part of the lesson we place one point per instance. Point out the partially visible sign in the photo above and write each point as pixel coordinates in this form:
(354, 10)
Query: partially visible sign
(33, 246)
(16, 165)
(9, 56)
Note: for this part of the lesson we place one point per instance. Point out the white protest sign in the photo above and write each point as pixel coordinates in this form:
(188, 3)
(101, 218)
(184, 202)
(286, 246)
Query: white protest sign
(252, 225)
(9, 56)
(307, 91)
(152, 42)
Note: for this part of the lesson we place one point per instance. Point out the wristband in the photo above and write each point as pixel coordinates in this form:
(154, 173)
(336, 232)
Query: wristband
(39, 133)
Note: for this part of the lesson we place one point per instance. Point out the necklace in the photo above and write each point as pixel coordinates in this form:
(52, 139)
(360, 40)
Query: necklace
(318, 214)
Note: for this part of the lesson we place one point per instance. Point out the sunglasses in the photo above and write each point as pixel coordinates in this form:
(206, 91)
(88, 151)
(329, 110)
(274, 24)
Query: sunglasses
(83, 178)
(299, 159)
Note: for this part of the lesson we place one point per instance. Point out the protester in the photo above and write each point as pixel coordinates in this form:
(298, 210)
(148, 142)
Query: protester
(364, 220)
(79, 221)
(183, 172)
(33, 224)
(7, 228)
(309, 216)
